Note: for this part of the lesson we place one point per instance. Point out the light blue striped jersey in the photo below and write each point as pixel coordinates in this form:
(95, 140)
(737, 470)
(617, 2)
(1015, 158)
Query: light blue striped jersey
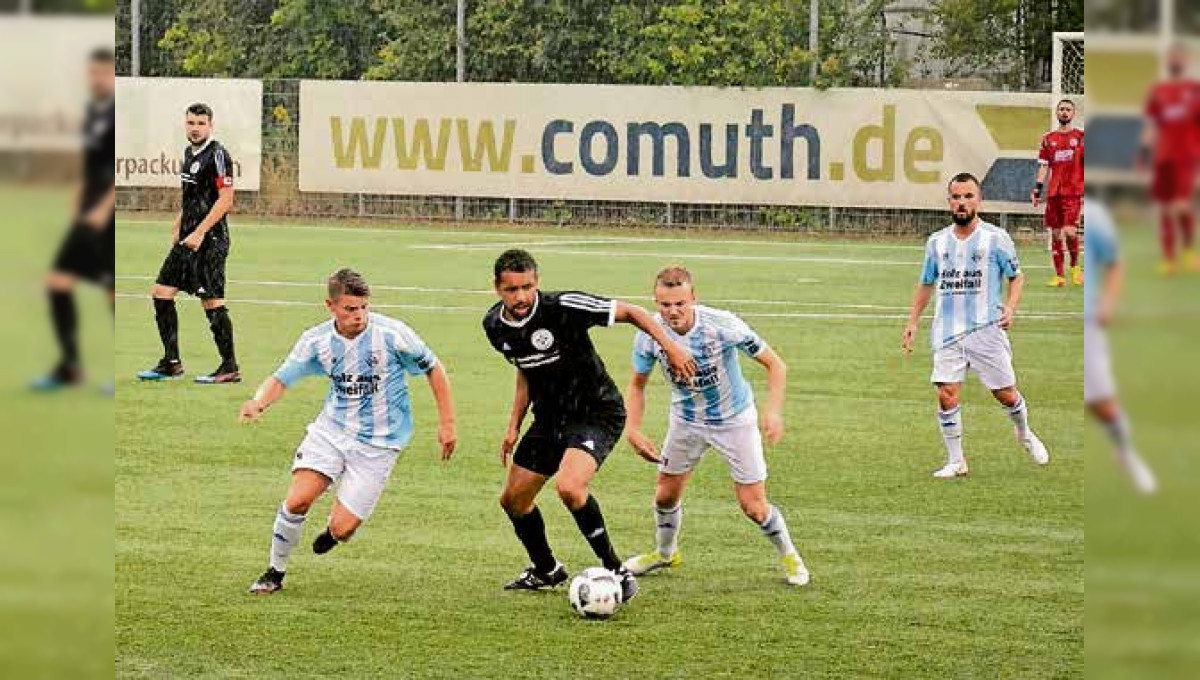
(1100, 251)
(969, 279)
(368, 394)
(718, 392)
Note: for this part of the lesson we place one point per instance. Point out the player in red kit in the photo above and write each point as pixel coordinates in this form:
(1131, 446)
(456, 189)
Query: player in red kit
(1061, 157)
(1169, 142)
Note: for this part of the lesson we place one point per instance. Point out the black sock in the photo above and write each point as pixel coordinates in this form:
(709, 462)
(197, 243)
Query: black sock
(168, 328)
(66, 323)
(222, 331)
(591, 524)
(532, 532)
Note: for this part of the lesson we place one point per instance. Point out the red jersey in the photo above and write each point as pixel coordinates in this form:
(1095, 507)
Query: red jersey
(1062, 150)
(1174, 108)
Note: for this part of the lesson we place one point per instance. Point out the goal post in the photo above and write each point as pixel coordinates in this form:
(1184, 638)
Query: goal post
(1066, 72)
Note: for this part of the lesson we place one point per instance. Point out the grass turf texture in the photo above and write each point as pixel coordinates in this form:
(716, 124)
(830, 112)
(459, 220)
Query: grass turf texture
(912, 577)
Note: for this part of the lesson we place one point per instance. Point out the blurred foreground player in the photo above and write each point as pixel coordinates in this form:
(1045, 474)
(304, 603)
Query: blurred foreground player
(87, 251)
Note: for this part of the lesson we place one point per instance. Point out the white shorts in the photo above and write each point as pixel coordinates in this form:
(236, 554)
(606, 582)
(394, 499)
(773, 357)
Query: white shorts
(739, 442)
(987, 351)
(1098, 383)
(360, 470)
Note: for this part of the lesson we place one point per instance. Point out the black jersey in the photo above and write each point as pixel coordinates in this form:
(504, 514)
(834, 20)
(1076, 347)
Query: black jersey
(551, 347)
(205, 172)
(99, 149)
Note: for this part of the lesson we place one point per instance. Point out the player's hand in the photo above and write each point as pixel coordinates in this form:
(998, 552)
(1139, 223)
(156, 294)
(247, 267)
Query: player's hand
(910, 334)
(251, 411)
(448, 438)
(1033, 196)
(680, 361)
(193, 241)
(643, 447)
(1006, 317)
(771, 425)
(97, 218)
(1104, 315)
(507, 446)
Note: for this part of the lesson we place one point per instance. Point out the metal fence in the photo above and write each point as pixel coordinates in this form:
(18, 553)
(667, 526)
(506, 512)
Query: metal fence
(279, 195)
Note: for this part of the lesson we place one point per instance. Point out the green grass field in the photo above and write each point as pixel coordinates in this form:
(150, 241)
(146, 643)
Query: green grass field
(981, 577)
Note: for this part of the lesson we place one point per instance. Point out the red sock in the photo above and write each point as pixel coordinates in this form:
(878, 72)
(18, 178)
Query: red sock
(1057, 246)
(1185, 227)
(1073, 249)
(1166, 237)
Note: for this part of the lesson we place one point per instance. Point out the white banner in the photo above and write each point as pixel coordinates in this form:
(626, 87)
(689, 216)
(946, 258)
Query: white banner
(43, 81)
(150, 130)
(883, 148)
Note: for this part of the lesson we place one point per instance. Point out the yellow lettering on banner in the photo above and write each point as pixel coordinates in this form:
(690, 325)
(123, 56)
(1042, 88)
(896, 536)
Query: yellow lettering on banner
(886, 134)
(932, 153)
(485, 142)
(348, 154)
(422, 145)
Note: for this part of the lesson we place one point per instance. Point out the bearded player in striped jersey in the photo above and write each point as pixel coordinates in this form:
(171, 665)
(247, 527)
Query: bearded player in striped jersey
(366, 421)
(966, 265)
(578, 411)
(713, 409)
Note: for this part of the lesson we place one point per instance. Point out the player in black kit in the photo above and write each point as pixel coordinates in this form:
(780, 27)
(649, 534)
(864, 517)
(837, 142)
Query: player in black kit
(87, 251)
(578, 411)
(199, 247)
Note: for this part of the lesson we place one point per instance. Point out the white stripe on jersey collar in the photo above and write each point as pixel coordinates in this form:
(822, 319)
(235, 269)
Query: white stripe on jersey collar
(521, 324)
(202, 146)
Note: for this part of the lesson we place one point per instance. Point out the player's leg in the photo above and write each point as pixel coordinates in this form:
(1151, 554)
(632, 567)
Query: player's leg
(741, 445)
(173, 276)
(534, 461)
(60, 288)
(1099, 395)
(990, 354)
(1185, 220)
(1070, 230)
(210, 276)
(949, 371)
(1054, 224)
(1163, 189)
(367, 471)
(668, 520)
(318, 463)
(681, 452)
(578, 467)
(306, 487)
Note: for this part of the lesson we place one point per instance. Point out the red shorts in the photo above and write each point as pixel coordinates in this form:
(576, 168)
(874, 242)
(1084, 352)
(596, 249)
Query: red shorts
(1063, 211)
(1173, 180)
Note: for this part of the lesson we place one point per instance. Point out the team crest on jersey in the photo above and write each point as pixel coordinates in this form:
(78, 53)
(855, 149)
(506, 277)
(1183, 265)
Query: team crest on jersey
(542, 339)
(195, 167)
(374, 359)
(1074, 142)
(977, 255)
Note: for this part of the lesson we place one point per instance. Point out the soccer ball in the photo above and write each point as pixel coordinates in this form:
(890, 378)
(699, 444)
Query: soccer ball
(595, 593)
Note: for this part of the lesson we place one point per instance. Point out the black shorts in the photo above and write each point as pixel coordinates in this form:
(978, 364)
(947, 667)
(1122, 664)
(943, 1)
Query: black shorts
(200, 273)
(542, 448)
(88, 254)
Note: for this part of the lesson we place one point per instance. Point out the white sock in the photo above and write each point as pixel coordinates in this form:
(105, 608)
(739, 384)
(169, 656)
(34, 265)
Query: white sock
(1019, 414)
(776, 531)
(666, 531)
(952, 430)
(286, 534)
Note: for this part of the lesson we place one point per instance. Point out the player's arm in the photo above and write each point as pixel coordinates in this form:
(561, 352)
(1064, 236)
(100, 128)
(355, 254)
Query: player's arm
(1149, 136)
(920, 301)
(520, 407)
(772, 417)
(680, 361)
(635, 411)
(439, 384)
(1015, 285)
(175, 227)
(97, 218)
(219, 210)
(1114, 281)
(270, 391)
(1039, 182)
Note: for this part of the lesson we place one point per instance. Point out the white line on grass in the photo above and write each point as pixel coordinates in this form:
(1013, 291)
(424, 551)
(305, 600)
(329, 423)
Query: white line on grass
(570, 239)
(469, 291)
(479, 309)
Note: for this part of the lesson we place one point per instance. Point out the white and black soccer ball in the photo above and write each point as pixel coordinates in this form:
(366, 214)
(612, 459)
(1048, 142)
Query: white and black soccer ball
(595, 593)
